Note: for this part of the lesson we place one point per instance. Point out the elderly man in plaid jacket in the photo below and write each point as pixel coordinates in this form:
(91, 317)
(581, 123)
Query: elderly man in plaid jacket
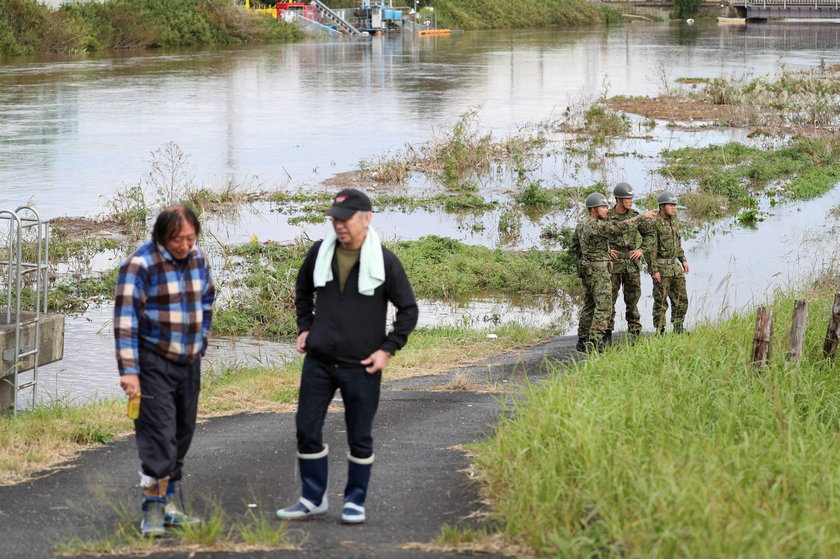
(162, 316)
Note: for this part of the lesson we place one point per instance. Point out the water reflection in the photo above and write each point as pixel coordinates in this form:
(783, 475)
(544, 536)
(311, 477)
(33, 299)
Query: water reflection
(75, 129)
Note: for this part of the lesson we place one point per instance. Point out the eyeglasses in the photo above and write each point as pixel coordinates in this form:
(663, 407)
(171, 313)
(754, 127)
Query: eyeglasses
(183, 239)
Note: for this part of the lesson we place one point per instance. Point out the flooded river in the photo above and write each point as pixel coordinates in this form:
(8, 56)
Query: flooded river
(73, 131)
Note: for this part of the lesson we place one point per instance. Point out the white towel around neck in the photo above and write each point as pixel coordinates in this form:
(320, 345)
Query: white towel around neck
(371, 263)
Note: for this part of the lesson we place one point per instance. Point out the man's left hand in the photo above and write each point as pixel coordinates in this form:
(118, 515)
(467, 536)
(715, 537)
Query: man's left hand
(377, 361)
(685, 267)
(636, 254)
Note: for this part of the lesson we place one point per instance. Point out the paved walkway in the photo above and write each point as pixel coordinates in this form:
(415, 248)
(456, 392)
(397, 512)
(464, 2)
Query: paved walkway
(417, 485)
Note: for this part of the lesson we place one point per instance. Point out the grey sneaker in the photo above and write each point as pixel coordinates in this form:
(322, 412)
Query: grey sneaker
(152, 524)
(172, 517)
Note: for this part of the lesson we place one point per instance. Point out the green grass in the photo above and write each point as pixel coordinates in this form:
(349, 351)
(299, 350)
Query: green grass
(438, 268)
(676, 447)
(444, 268)
(729, 176)
(484, 14)
(30, 28)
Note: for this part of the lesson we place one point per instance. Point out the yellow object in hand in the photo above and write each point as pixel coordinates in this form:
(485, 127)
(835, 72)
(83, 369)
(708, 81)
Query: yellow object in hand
(134, 406)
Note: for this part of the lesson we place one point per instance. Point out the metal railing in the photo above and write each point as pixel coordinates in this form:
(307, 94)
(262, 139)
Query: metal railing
(36, 275)
(794, 3)
(339, 21)
(308, 26)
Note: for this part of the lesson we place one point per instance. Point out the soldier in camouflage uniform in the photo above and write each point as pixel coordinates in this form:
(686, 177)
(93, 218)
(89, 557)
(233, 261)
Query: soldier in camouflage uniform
(667, 266)
(590, 245)
(626, 250)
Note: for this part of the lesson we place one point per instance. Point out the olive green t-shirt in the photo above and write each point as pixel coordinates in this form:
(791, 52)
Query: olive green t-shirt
(346, 260)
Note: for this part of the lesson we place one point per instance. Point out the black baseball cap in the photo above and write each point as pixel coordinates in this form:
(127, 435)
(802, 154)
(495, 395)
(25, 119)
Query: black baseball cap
(347, 202)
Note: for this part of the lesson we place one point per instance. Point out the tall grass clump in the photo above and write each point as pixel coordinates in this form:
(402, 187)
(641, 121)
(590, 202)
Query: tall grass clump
(485, 14)
(676, 447)
(799, 98)
(443, 268)
(259, 296)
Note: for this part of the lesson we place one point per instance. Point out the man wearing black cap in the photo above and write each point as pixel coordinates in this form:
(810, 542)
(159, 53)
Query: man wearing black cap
(343, 290)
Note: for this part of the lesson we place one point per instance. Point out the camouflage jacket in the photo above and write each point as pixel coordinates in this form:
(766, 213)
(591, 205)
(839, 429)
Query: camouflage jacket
(591, 239)
(666, 254)
(639, 237)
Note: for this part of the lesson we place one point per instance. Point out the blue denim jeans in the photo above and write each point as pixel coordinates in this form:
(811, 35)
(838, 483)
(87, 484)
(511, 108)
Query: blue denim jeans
(360, 392)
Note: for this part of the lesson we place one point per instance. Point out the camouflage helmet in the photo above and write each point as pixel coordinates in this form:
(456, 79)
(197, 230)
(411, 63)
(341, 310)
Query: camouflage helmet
(596, 199)
(666, 198)
(623, 190)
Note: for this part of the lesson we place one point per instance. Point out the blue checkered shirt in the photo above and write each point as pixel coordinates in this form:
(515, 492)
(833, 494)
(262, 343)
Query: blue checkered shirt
(162, 305)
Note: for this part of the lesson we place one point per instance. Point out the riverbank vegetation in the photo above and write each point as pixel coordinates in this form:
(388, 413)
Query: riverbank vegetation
(485, 14)
(790, 102)
(721, 180)
(27, 27)
(675, 446)
(457, 155)
(439, 269)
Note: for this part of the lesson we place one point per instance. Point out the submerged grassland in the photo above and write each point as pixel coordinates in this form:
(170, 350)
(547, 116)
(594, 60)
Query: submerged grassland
(439, 268)
(676, 446)
(731, 177)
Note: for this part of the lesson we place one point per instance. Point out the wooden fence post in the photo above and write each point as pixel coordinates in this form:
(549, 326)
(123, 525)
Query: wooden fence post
(763, 337)
(832, 337)
(796, 339)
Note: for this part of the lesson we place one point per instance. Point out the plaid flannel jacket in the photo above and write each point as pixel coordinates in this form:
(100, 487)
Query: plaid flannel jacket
(162, 305)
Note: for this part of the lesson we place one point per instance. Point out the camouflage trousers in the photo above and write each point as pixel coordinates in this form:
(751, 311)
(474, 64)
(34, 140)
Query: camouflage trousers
(670, 288)
(597, 303)
(632, 283)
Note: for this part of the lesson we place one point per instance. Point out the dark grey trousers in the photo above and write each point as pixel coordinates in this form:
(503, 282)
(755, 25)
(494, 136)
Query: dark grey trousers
(168, 410)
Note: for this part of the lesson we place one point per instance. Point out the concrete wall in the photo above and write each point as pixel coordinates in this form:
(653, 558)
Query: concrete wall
(51, 349)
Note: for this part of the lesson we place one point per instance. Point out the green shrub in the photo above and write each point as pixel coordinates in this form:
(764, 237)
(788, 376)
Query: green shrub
(26, 27)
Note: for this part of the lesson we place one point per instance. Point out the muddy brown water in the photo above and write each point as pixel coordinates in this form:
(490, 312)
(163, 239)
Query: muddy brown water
(75, 130)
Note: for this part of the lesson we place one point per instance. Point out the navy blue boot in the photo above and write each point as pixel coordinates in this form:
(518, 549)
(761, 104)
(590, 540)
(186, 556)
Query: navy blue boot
(313, 496)
(358, 476)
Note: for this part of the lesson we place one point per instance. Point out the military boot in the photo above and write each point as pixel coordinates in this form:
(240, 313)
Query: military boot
(581, 344)
(607, 339)
(154, 501)
(355, 492)
(313, 496)
(678, 329)
(595, 346)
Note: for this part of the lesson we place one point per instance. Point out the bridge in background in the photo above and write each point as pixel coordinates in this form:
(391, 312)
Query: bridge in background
(765, 9)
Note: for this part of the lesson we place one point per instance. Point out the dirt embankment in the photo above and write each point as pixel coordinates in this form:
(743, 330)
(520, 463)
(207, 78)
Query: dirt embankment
(688, 110)
(683, 109)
